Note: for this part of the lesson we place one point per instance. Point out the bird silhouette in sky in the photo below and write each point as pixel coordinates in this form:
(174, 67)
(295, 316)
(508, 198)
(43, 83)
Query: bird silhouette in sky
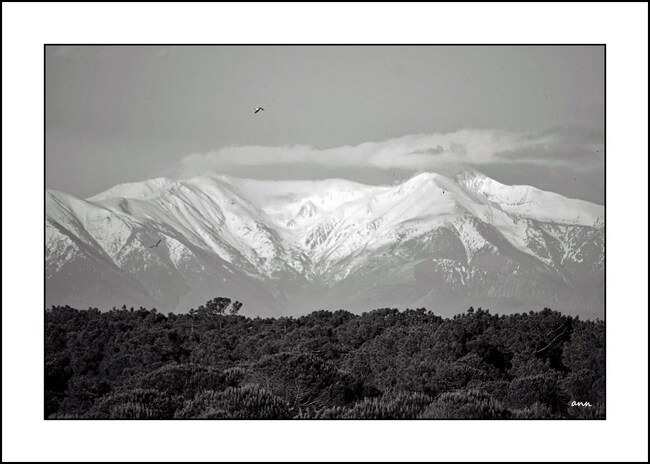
(157, 243)
(258, 109)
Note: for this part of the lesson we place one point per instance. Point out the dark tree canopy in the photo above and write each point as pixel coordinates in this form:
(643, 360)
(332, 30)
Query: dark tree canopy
(214, 363)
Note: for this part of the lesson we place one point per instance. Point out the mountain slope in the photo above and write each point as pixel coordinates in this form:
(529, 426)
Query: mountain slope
(288, 247)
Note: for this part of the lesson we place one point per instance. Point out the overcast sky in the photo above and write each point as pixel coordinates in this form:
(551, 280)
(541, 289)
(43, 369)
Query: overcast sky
(522, 115)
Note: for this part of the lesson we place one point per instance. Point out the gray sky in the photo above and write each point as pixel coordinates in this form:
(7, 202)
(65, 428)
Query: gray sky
(529, 115)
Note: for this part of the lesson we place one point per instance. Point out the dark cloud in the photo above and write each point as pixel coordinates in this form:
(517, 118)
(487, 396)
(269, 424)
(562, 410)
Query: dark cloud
(567, 154)
(433, 151)
(567, 145)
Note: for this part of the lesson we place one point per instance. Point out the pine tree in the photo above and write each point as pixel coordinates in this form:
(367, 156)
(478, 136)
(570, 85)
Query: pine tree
(236, 306)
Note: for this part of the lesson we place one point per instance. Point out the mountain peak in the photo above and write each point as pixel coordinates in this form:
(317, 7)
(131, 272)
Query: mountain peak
(472, 179)
(531, 202)
(307, 210)
(137, 190)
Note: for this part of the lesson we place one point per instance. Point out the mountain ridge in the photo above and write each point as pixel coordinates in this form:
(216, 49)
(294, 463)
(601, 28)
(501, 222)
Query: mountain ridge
(293, 246)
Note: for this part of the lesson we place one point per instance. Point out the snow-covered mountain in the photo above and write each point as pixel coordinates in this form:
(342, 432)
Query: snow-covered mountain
(290, 247)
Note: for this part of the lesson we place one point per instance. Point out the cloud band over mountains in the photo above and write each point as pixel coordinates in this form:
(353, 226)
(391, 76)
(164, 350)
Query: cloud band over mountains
(424, 152)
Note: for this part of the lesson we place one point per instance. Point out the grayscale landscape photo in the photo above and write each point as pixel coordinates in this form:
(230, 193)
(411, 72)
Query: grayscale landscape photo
(324, 232)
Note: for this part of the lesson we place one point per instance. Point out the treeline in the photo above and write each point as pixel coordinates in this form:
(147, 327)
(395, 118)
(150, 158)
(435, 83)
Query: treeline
(384, 364)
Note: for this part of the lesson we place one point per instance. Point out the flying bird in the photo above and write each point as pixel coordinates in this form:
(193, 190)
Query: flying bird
(258, 109)
(157, 243)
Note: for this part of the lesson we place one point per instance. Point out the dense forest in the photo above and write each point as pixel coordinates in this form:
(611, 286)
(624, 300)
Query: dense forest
(385, 364)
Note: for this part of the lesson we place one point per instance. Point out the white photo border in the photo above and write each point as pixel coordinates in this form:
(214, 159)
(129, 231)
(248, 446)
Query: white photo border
(624, 30)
